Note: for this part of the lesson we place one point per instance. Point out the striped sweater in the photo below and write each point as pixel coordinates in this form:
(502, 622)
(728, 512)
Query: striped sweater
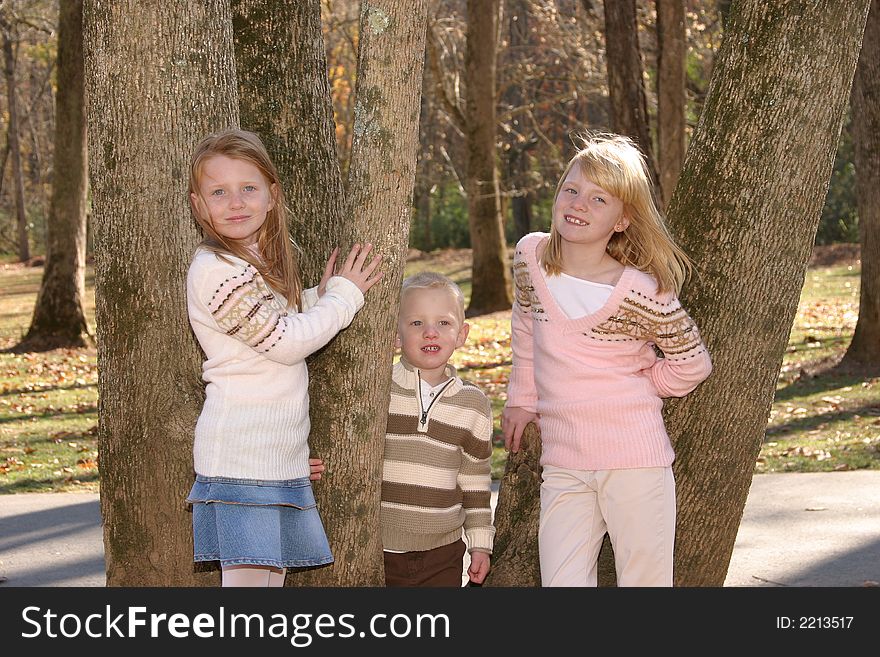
(255, 421)
(596, 381)
(435, 475)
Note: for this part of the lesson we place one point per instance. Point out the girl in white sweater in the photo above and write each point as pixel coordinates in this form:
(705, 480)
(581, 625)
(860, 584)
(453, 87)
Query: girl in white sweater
(253, 507)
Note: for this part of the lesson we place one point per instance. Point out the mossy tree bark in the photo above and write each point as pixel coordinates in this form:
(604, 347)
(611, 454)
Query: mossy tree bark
(290, 104)
(865, 106)
(746, 209)
(159, 76)
(59, 319)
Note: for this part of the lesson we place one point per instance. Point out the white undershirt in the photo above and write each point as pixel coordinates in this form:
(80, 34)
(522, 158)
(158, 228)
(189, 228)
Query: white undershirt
(575, 296)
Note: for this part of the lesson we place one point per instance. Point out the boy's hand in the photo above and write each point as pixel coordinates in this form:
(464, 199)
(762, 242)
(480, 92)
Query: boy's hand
(513, 422)
(316, 468)
(479, 567)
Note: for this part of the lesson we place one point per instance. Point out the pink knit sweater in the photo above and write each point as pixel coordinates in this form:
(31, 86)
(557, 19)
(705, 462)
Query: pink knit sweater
(596, 381)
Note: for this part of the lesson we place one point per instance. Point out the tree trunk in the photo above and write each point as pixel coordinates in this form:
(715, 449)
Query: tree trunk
(59, 319)
(281, 50)
(671, 52)
(516, 159)
(865, 103)
(24, 252)
(626, 84)
(490, 277)
(746, 210)
(159, 77)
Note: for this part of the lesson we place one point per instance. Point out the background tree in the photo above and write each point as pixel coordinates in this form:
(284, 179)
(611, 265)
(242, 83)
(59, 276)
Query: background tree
(59, 319)
(149, 385)
(626, 84)
(8, 33)
(282, 60)
(671, 97)
(748, 223)
(490, 278)
(865, 110)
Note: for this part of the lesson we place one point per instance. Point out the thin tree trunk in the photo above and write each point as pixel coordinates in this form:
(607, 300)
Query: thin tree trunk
(490, 278)
(59, 319)
(626, 84)
(865, 103)
(746, 211)
(348, 435)
(517, 160)
(671, 99)
(24, 252)
(159, 76)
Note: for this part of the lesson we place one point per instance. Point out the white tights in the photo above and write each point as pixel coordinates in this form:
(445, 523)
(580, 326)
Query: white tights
(259, 576)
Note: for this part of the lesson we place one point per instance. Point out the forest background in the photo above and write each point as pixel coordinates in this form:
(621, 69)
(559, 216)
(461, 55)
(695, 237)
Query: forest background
(554, 76)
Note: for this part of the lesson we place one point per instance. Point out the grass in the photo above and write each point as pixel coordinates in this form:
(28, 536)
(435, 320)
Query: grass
(823, 419)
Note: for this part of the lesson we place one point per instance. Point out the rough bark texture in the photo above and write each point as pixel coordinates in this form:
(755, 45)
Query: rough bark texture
(746, 210)
(670, 93)
(490, 278)
(59, 319)
(865, 104)
(24, 252)
(626, 84)
(349, 382)
(515, 554)
(159, 76)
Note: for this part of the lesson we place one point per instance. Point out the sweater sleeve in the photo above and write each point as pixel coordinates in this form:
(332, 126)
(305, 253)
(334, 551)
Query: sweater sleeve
(475, 481)
(240, 303)
(686, 361)
(309, 298)
(521, 390)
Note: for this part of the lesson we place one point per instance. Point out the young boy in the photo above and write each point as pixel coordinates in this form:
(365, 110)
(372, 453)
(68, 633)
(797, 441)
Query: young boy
(435, 476)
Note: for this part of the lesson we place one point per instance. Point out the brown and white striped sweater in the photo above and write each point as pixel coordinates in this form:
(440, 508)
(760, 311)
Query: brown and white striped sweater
(436, 473)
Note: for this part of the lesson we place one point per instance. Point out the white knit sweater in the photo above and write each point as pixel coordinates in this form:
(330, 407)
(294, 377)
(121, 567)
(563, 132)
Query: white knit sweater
(255, 421)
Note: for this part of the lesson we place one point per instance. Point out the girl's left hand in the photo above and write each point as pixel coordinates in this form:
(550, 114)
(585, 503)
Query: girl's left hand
(329, 270)
(316, 468)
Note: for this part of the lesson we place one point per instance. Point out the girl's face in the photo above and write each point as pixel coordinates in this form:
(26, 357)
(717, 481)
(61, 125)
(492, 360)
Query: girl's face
(585, 213)
(237, 197)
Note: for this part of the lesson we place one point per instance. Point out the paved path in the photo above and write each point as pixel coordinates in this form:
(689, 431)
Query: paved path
(818, 529)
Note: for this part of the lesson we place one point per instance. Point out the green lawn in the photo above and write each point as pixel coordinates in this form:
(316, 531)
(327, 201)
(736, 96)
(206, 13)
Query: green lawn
(822, 419)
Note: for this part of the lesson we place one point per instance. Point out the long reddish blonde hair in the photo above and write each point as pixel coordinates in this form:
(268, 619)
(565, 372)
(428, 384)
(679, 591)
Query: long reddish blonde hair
(277, 262)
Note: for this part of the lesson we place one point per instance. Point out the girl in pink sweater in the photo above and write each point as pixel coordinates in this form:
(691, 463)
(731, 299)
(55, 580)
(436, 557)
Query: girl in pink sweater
(599, 338)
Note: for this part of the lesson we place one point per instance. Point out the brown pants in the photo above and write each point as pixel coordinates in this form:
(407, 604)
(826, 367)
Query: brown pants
(441, 566)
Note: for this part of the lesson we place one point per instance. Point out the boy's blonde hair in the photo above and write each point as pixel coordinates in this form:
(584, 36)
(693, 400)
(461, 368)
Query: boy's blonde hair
(433, 279)
(614, 163)
(279, 265)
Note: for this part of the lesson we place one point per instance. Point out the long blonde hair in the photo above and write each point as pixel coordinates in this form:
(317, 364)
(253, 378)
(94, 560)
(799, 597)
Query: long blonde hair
(614, 163)
(277, 261)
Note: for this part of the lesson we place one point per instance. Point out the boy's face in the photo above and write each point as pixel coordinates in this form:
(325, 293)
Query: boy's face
(429, 329)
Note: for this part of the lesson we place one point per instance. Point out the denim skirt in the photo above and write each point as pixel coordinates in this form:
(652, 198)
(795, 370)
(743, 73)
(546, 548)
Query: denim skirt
(257, 522)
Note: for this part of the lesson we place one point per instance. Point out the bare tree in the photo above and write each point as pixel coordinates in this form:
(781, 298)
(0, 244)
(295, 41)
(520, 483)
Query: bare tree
(59, 319)
(7, 31)
(671, 137)
(865, 106)
(490, 277)
(626, 84)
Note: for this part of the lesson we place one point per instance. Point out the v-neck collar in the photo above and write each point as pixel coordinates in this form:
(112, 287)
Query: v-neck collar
(580, 324)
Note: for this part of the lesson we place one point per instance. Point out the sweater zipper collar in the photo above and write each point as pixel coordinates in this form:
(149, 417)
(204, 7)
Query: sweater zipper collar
(423, 413)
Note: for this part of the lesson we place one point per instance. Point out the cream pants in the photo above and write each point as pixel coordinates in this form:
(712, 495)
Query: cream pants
(635, 506)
